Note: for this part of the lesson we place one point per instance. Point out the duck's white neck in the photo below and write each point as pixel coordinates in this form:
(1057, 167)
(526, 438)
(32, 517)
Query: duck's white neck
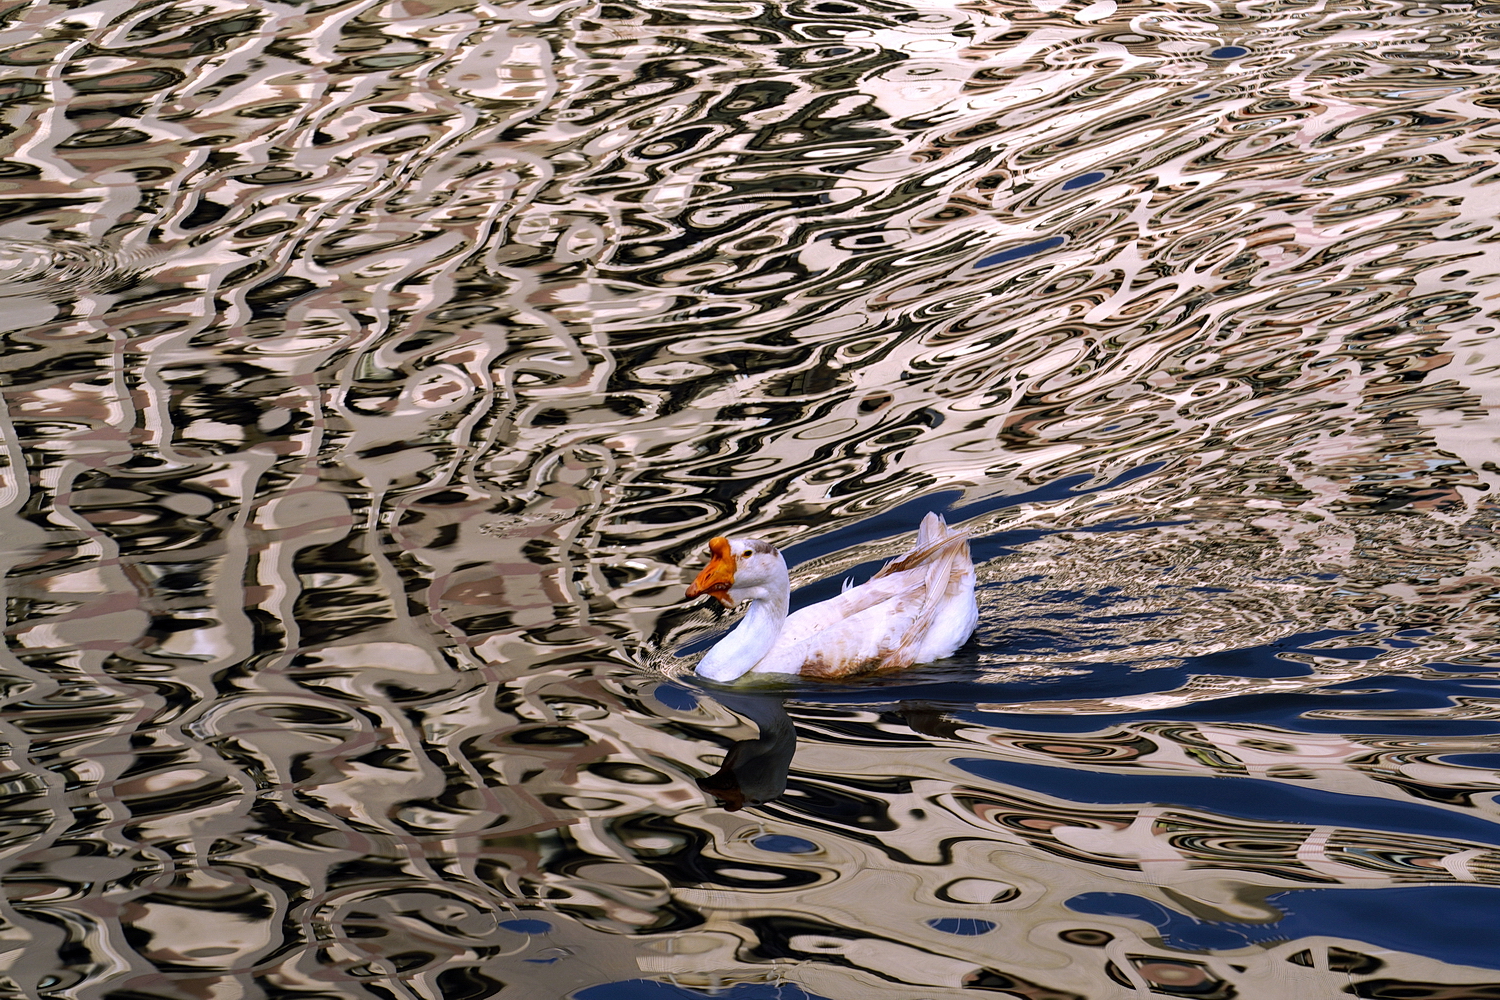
(738, 652)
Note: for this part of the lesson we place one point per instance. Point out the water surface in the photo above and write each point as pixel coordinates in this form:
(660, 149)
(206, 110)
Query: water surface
(375, 374)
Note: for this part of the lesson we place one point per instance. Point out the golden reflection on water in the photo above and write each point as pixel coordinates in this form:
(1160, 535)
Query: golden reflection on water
(373, 371)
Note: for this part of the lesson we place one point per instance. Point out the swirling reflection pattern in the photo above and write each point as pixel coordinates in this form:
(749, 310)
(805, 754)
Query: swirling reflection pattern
(370, 368)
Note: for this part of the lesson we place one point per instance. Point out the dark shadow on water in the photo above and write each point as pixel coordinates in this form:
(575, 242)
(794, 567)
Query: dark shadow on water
(754, 771)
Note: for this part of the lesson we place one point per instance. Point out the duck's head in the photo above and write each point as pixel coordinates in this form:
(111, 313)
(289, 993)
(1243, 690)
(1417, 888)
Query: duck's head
(739, 569)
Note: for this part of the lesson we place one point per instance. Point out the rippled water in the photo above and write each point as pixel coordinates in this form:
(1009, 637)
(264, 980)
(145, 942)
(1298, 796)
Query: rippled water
(380, 370)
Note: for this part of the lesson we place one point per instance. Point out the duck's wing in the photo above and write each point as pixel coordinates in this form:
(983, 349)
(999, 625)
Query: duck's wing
(837, 639)
(918, 608)
(818, 618)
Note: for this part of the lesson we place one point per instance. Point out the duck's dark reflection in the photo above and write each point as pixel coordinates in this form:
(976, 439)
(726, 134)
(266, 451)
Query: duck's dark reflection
(928, 718)
(754, 771)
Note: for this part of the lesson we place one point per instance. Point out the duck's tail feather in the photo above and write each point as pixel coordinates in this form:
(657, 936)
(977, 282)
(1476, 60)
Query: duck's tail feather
(936, 546)
(948, 574)
(932, 528)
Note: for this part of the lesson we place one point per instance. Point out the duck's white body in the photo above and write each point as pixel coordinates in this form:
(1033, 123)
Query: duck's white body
(917, 609)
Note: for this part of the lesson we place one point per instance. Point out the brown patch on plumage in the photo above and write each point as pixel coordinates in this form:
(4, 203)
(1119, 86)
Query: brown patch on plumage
(830, 670)
(817, 666)
(885, 661)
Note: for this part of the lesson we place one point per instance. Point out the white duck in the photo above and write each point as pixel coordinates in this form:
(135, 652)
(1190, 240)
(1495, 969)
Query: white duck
(917, 609)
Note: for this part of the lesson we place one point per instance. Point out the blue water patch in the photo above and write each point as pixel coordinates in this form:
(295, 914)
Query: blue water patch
(1178, 930)
(1488, 761)
(1016, 253)
(526, 926)
(1269, 660)
(1227, 795)
(1449, 923)
(675, 696)
(783, 844)
(962, 926)
(1464, 668)
(1228, 52)
(1084, 180)
(1282, 709)
(647, 989)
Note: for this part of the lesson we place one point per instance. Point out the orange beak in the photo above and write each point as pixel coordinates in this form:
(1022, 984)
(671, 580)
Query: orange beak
(718, 576)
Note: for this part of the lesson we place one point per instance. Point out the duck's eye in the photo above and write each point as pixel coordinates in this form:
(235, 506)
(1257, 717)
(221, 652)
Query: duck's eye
(745, 554)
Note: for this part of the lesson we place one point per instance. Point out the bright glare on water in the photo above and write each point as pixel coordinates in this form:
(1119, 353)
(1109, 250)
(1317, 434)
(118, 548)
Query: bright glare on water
(375, 373)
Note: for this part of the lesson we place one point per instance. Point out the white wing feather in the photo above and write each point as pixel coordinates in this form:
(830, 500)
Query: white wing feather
(918, 608)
